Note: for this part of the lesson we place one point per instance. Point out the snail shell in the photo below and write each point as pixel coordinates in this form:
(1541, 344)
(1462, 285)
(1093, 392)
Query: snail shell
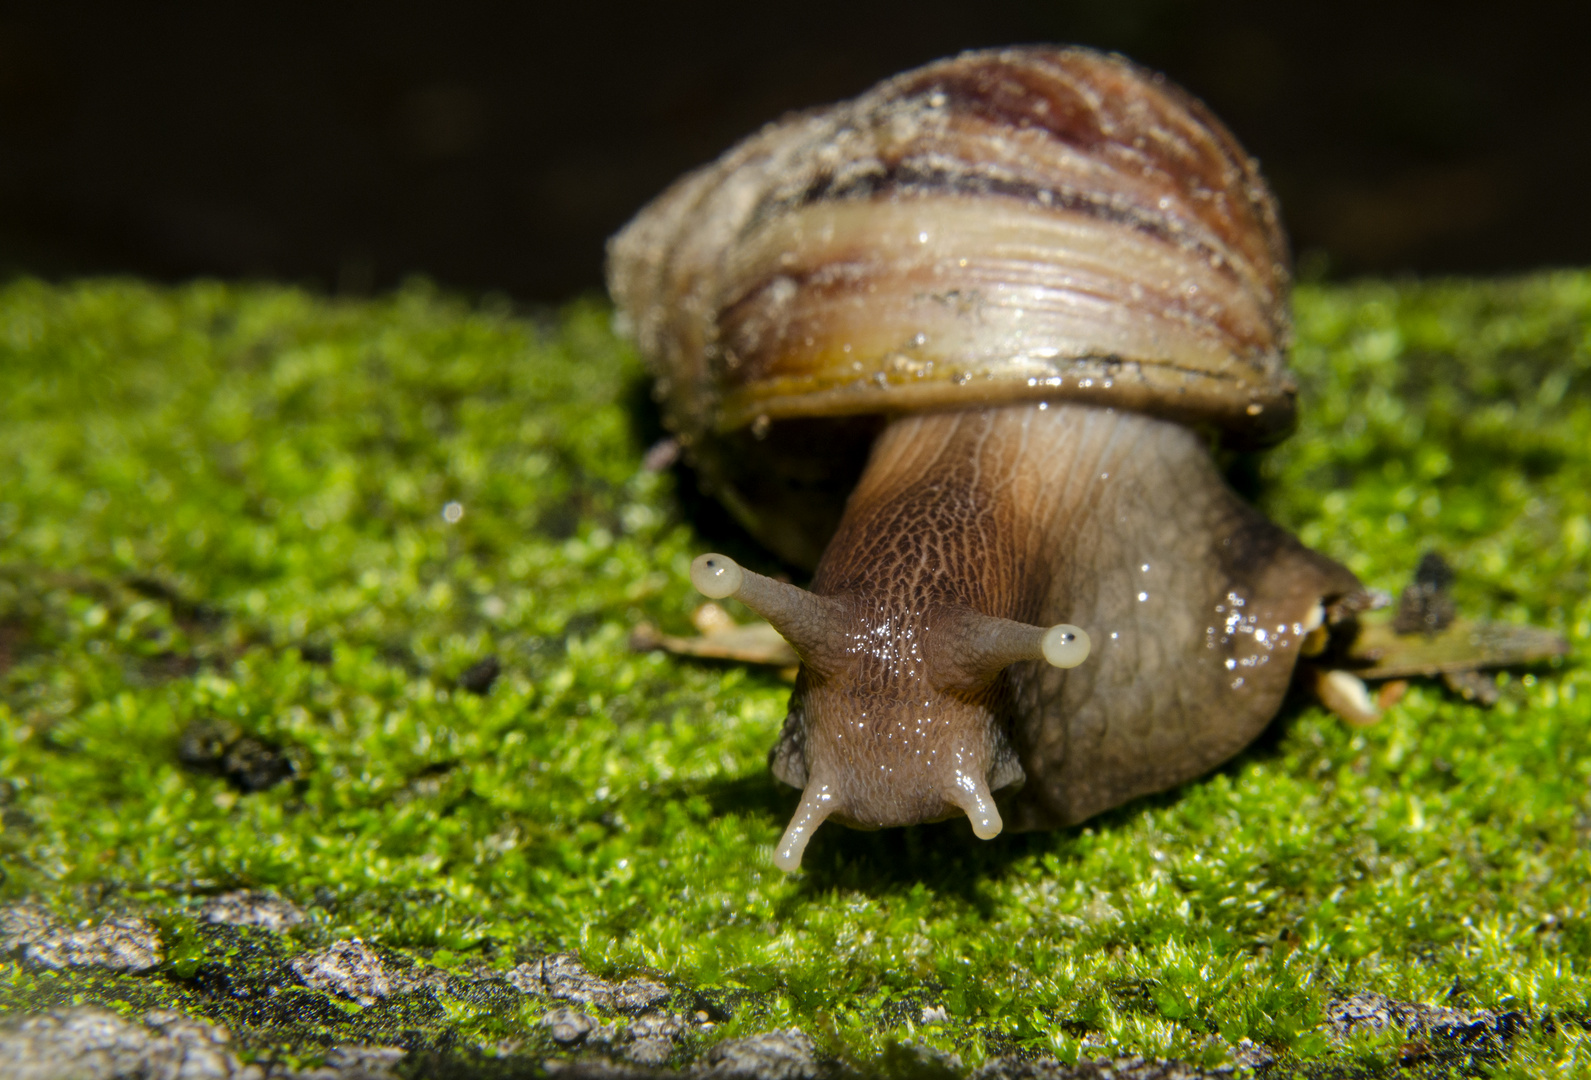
(990, 279)
(1024, 224)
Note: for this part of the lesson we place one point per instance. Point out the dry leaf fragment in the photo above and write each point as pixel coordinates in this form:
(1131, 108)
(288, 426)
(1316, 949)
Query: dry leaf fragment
(1378, 651)
(722, 638)
(1424, 638)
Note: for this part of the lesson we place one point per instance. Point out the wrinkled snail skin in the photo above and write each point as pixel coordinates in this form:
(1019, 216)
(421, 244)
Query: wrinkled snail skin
(1009, 299)
(1037, 513)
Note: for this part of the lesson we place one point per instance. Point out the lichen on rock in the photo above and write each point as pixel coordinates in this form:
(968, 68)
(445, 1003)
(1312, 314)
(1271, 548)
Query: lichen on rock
(91, 1043)
(252, 907)
(772, 1055)
(350, 969)
(119, 943)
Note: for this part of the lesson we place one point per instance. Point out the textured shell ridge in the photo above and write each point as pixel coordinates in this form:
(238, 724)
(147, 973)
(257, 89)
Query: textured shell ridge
(1018, 215)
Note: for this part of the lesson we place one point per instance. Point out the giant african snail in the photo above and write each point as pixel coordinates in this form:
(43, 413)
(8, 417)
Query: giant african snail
(1024, 287)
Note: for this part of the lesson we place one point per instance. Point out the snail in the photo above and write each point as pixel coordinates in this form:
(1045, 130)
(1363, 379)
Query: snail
(964, 346)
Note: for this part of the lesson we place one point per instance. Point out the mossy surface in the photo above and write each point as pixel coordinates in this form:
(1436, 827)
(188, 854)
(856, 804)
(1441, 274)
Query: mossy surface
(307, 519)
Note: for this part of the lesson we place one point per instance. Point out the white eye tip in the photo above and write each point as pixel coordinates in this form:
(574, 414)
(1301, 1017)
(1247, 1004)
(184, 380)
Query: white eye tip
(716, 576)
(1066, 646)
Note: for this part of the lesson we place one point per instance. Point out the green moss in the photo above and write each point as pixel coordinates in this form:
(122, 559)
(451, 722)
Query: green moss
(228, 503)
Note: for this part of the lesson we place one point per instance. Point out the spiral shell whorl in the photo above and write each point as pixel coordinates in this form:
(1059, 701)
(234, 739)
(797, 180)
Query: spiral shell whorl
(1005, 225)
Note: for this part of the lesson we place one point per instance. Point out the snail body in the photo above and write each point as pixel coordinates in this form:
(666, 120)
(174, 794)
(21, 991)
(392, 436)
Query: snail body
(1024, 289)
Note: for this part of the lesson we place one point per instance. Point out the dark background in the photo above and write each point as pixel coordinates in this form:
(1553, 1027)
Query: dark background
(496, 146)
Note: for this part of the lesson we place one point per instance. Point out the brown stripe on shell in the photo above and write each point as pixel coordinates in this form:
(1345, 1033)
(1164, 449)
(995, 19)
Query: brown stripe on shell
(1150, 135)
(891, 315)
(1135, 120)
(916, 179)
(781, 313)
(749, 288)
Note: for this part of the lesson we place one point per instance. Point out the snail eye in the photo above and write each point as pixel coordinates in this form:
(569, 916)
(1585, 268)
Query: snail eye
(716, 576)
(1065, 645)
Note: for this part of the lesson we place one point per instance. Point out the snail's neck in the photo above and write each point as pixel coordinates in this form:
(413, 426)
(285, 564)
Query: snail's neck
(954, 511)
(959, 507)
(978, 510)
(1116, 522)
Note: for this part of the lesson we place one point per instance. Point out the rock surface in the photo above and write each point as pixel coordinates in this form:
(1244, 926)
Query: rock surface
(1127, 1068)
(1377, 1012)
(652, 1038)
(349, 969)
(564, 977)
(356, 1063)
(1433, 1029)
(90, 1043)
(252, 907)
(32, 934)
(773, 1055)
(567, 1026)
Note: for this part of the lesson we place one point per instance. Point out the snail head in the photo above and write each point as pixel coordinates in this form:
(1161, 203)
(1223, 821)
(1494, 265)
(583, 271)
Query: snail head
(894, 719)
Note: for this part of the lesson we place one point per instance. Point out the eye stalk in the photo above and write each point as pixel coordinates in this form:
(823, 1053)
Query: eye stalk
(972, 648)
(813, 625)
(977, 646)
